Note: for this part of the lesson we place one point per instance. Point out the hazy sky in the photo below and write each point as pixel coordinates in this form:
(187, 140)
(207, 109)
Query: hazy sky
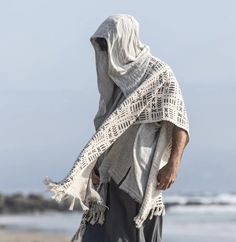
(48, 89)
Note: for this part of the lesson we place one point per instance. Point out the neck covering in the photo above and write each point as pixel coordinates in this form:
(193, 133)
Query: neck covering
(124, 63)
(157, 98)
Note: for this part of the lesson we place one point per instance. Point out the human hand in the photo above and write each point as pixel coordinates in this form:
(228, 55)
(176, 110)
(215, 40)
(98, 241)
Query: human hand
(166, 176)
(95, 178)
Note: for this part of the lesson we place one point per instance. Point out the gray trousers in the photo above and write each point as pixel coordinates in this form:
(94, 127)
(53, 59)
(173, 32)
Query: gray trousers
(119, 225)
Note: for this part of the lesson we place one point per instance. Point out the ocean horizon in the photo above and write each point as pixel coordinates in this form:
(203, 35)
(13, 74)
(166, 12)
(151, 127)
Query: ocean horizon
(208, 218)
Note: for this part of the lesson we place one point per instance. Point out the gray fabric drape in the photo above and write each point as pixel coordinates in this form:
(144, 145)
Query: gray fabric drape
(125, 62)
(158, 98)
(119, 225)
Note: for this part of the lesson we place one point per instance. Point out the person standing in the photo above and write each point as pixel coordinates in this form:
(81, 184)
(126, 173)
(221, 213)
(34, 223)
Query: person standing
(141, 151)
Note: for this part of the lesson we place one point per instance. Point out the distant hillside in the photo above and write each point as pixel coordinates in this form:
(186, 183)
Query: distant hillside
(19, 203)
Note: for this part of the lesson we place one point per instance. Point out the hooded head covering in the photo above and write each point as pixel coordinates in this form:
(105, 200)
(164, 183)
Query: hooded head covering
(125, 62)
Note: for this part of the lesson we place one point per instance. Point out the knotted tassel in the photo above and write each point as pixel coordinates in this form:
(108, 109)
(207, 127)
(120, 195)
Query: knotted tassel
(81, 230)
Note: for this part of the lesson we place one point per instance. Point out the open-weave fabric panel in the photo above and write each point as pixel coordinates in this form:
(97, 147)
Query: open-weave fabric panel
(168, 104)
(157, 98)
(119, 120)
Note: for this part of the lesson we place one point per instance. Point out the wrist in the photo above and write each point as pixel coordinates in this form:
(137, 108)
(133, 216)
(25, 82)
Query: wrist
(174, 161)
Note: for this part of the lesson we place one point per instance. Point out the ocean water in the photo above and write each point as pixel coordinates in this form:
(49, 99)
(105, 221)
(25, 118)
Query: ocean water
(200, 223)
(210, 218)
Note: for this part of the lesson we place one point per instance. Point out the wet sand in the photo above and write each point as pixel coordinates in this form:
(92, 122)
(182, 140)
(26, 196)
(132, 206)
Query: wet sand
(24, 236)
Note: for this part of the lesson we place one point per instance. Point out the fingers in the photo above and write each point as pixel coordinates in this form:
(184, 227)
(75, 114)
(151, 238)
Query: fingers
(169, 184)
(166, 177)
(95, 178)
(164, 183)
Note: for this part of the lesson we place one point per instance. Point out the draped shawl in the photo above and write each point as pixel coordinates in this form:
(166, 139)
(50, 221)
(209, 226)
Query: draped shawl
(157, 98)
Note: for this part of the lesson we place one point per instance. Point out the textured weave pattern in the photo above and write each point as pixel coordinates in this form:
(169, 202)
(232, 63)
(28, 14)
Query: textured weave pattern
(168, 104)
(156, 87)
(122, 117)
(157, 97)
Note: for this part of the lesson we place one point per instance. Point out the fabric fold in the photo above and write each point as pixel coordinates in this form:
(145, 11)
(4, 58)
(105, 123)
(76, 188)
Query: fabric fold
(75, 183)
(152, 94)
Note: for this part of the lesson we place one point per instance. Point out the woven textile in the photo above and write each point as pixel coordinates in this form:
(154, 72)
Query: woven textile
(157, 98)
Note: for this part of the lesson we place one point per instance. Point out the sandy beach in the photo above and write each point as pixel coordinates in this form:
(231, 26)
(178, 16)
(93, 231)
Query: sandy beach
(23, 236)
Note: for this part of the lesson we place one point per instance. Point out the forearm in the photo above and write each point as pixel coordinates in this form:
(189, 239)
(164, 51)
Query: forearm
(179, 142)
(167, 175)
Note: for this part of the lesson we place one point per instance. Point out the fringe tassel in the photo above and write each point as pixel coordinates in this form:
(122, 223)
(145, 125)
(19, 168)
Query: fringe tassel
(59, 194)
(155, 211)
(95, 214)
(81, 230)
(55, 188)
(72, 204)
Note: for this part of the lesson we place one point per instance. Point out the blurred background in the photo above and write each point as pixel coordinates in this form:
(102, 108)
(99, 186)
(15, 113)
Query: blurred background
(49, 96)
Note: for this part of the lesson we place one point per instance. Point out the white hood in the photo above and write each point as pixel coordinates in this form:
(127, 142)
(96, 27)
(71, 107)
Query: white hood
(125, 61)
